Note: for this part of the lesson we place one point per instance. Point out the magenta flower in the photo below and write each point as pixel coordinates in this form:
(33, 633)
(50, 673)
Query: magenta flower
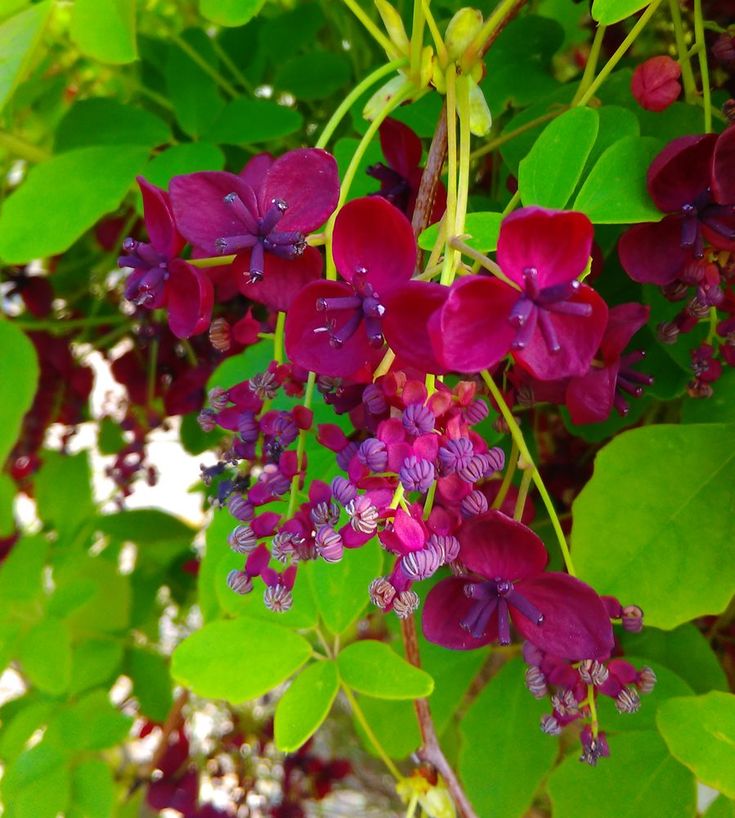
(336, 327)
(262, 215)
(591, 397)
(159, 278)
(692, 180)
(506, 583)
(400, 177)
(550, 322)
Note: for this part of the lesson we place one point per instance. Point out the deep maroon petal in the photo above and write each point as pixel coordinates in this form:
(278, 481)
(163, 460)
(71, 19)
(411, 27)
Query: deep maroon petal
(681, 171)
(651, 253)
(406, 323)
(189, 295)
(623, 321)
(576, 625)
(282, 279)
(308, 181)
(254, 172)
(723, 167)
(445, 607)
(579, 337)
(497, 547)
(371, 234)
(311, 349)
(589, 398)
(401, 147)
(471, 331)
(201, 213)
(159, 220)
(557, 244)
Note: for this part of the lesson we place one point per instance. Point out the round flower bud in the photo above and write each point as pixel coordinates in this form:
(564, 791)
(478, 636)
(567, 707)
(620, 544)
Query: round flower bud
(417, 565)
(418, 419)
(343, 490)
(374, 400)
(373, 454)
(278, 598)
(248, 427)
(218, 398)
(363, 514)
(405, 603)
(632, 619)
(655, 83)
(455, 454)
(416, 474)
(239, 582)
(646, 680)
(550, 725)
(219, 334)
(243, 540)
(207, 420)
(536, 682)
(473, 504)
(446, 545)
(628, 700)
(381, 592)
(476, 412)
(329, 544)
(240, 508)
(565, 702)
(592, 672)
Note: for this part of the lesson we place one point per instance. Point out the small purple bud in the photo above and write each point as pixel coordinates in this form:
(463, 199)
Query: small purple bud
(240, 508)
(476, 412)
(247, 425)
(264, 385)
(646, 680)
(243, 540)
(381, 592)
(218, 398)
(207, 420)
(550, 725)
(325, 514)
(628, 700)
(495, 459)
(373, 400)
(418, 565)
(343, 490)
(344, 456)
(278, 598)
(473, 504)
(455, 454)
(239, 582)
(329, 544)
(282, 547)
(536, 682)
(418, 419)
(592, 672)
(565, 702)
(667, 332)
(446, 545)
(373, 454)
(416, 474)
(473, 471)
(363, 515)
(593, 748)
(632, 619)
(405, 603)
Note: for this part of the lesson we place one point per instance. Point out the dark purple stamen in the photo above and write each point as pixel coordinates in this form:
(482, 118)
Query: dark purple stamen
(393, 187)
(630, 381)
(500, 595)
(534, 306)
(704, 211)
(144, 287)
(365, 306)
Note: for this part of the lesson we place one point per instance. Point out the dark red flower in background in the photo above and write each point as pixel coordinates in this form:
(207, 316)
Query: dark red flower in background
(655, 83)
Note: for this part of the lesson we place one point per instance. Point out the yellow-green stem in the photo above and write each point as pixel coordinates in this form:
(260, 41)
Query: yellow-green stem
(353, 96)
(278, 338)
(591, 66)
(483, 261)
(514, 200)
(441, 49)
(397, 496)
(380, 38)
(522, 494)
(300, 447)
(363, 722)
(417, 39)
(594, 724)
(463, 181)
(703, 67)
(385, 364)
(211, 261)
(517, 435)
(687, 75)
(196, 57)
(507, 477)
(451, 256)
(16, 146)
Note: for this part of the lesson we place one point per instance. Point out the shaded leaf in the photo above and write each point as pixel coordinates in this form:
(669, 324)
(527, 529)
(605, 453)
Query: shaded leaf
(375, 669)
(305, 705)
(19, 367)
(106, 121)
(244, 121)
(105, 30)
(19, 37)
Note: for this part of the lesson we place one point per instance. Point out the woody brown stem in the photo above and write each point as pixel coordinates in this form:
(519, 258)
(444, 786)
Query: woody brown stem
(430, 177)
(174, 720)
(431, 751)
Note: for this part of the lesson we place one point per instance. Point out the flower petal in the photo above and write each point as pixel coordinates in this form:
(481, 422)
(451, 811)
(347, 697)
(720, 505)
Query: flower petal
(255, 170)
(190, 296)
(159, 219)
(371, 234)
(723, 167)
(576, 625)
(623, 321)
(681, 171)
(497, 547)
(282, 278)
(651, 253)
(471, 331)
(589, 398)
(579, 338)
(200, 210)
(308, 181)
(401, 146)
(557, 244)
(445, 607)
(406, 323)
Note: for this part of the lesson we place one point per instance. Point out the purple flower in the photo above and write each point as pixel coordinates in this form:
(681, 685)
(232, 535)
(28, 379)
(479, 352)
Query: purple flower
(159, 278)
(692, 180)
(262, 215)
(550, 322)
(507, 583)
(416, 474)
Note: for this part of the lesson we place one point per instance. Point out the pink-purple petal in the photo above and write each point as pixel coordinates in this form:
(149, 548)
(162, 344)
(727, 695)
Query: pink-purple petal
(723, 167)
(255, 170)
(445, 607)
(681, 171)
(589, 398)
(159, 220)
(189, 296)
(623, 321)
(401, 147)
(651, 253)
(406, 324)
(282, 280)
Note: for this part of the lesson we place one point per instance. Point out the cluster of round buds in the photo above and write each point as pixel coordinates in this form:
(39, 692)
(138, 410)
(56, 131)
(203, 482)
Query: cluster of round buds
(384, 595)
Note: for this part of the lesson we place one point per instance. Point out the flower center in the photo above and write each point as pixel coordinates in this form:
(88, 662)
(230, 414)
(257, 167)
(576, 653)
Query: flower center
(534, 308)
(630, 381)
(259, 233)
(145, 286)
(496, 595)
(705, 211)
(393, 187)
(363, 306)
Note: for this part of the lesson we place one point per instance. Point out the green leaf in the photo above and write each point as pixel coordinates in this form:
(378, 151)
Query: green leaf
(108, 609)
(76, 188)
(38, 784)
(482, 230)
(615, 190)
(607, 12)
(19, 367)
(375, 669)
(344, 149)
(179, 159)
(94, 662)
(92, 790)
(720, 408)
(241, 367)
(21, 573)
(305, 705)
(314, 76)
(616, 123)
(700, 732)
(105, 30)
(110, 437)
(192, 91)
(145, 526)
(550, 172)
(90, 723)
(239, 659)
(684, 650)
(244, 121)
(230, 12)
(341, 589)
(393, 722)
(721, 808)
(105, 121)
(45, 654)
(658, 508)
(18, 729)
(639, 778)
(151, 683)
(19, 37)
(63, 491)
(7, 496)
(504, 756)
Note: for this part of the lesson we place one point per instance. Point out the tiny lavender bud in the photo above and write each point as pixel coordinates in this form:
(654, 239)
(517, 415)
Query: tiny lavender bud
(247, 426)
(278, 598)
(455, 454)
(550, 725)
(418, 419)
(476, 412)
(243, 539)
(343, 490)
(632, 618)
(405, 603)
(325, 514)
(474, 470)
(646, 680)
(239, 582)
(363, 515)
(373, 400)
(628, 700)
(446, 544)
(416, 474)
(329, 544)
(240, 508)
(207, 420)
(381, 592)
(422, 564)
(473, 504)
(217, 398)
(592, 672)
(373, 454)
(565, 702)
(536, 682)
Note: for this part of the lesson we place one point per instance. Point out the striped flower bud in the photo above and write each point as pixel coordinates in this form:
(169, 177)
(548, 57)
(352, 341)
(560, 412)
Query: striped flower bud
(239, 582)
(592, 672)
(278, 598)
(405, 603)
(363, 515)
(381, 592)
(473, 504)
(243, 540)
(329, 544)
(550, 725)
(628, 700)
(536, 682)
(343, 490)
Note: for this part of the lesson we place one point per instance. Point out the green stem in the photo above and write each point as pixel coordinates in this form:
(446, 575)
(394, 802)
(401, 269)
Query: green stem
(154, 96)
(507, 477)
(490, 146)
(463, 181)
(687, 75)
(703, 67)
(22, 149)
(594, 723)
(211, 261)
(417, 39)
(370, 27)
(522, 494)
(514, 200)
(591, 67)
(483, 261)
(619, 53)
(493, 22)
(226, 60)
(353, 96)
(278, 338)
(196, 57)
(441, 49)
(300, 447)
(363, 722)
(451, 256)
(517, 435)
